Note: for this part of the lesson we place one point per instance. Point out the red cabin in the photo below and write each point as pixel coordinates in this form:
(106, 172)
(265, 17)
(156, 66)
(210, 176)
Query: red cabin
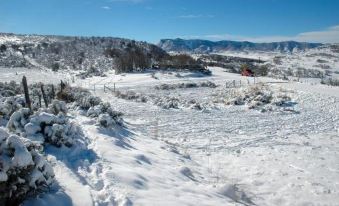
(247, 72)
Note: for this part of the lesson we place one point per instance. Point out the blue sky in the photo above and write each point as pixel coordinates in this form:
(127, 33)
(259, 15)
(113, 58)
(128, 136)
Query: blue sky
(151, 20)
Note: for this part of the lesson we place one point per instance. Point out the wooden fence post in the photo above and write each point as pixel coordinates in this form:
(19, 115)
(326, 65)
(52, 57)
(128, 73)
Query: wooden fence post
(53, 92)
(39, 96)
(62, 85)
(28, 101)
(114, 87)
(44, 94)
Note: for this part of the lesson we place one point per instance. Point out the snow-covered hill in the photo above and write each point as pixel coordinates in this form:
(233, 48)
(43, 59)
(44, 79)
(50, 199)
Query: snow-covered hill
(185, 138)
(324, 59)
(76, 53)
(319, 62)
(223, 154)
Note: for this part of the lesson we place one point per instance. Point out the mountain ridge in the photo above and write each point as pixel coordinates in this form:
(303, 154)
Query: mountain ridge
(207, 46)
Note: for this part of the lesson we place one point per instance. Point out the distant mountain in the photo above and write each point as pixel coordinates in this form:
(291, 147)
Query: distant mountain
(206, 46)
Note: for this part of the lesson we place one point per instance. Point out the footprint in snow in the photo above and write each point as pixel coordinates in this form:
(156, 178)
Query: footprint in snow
(187, 173)
(142, 159)
(236, 194)
(140, 184)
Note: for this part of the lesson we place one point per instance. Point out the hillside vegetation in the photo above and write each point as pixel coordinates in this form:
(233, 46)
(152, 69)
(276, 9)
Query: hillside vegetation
(89, 54)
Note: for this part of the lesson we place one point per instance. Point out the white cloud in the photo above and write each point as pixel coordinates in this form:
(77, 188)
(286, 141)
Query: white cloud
(329, 35)
(106, 7)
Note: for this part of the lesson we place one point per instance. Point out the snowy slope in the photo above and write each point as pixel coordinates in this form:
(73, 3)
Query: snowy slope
(75, 53)
(273, 158)
(320, 62)
(223, 155)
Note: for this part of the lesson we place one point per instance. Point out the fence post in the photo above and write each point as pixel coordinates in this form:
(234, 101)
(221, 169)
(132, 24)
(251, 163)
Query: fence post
(24, 84)
(44, 95)
(39, 96)
(53, 92)
(62, 85)
(104, 89)
(114, 87)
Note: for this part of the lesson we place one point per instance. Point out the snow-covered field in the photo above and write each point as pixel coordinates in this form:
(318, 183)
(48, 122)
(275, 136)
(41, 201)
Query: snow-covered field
(324, 59)
(33, 75)
(219, 155)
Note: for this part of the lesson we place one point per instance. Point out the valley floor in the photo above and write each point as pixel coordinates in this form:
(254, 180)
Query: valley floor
(220, 155)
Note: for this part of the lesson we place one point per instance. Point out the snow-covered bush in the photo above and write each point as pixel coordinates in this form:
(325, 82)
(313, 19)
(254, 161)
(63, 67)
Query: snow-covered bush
(105, 120)
(58, 106)
(8, 105)
(9, 89)
(36, 94)
(193, 104)
(12, 92)
(176, 103)
(131, 95)
(83, 100)
(257, 94)
(106, 115)
(259, 97)
(168, 102)
(44, 127)
(24, 172)
(165, 102)
(18, 120)
(208, 84)
(281, 99)
(72, 94)
(103, 107)
(88, 101)
(54, 129)
(186, 85)
(330, 81)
